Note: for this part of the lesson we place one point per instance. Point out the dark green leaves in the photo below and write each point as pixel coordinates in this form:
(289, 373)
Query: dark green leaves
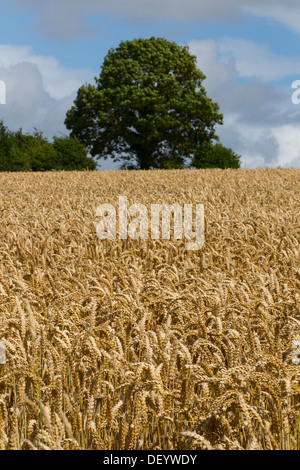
(217, 156)
(147, 106)
(25, 152)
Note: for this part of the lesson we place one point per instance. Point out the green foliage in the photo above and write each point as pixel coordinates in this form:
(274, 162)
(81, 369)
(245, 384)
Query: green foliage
(217, 156)
(148, 107)
(71, 155)
(20, 152)
(5, 144)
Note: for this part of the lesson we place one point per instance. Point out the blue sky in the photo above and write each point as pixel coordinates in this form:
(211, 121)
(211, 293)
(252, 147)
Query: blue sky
(248, 50)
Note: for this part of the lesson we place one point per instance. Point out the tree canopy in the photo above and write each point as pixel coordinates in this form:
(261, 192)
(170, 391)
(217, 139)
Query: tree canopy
(148, 107)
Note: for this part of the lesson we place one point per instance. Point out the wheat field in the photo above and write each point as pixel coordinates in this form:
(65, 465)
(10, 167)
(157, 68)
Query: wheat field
(140, 344)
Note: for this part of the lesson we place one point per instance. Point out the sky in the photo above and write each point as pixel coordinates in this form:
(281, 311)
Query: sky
(248, 50)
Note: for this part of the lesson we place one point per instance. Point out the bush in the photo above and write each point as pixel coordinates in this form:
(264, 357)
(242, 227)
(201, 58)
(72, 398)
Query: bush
(218, 157)
(20, 152)
(71, 154)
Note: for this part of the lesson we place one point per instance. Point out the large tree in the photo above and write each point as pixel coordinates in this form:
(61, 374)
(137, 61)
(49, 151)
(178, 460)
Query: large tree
(148, 107)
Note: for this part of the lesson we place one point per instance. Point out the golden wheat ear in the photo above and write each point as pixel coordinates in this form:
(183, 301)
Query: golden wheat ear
(139, 344)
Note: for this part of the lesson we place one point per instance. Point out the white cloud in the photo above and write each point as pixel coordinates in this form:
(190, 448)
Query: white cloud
(257, 60)
(58, 81)
(288, 138)
(260, 122)
(207, 53)
(39, 91)
(156, 9)
(62, 19)
(286, 12)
